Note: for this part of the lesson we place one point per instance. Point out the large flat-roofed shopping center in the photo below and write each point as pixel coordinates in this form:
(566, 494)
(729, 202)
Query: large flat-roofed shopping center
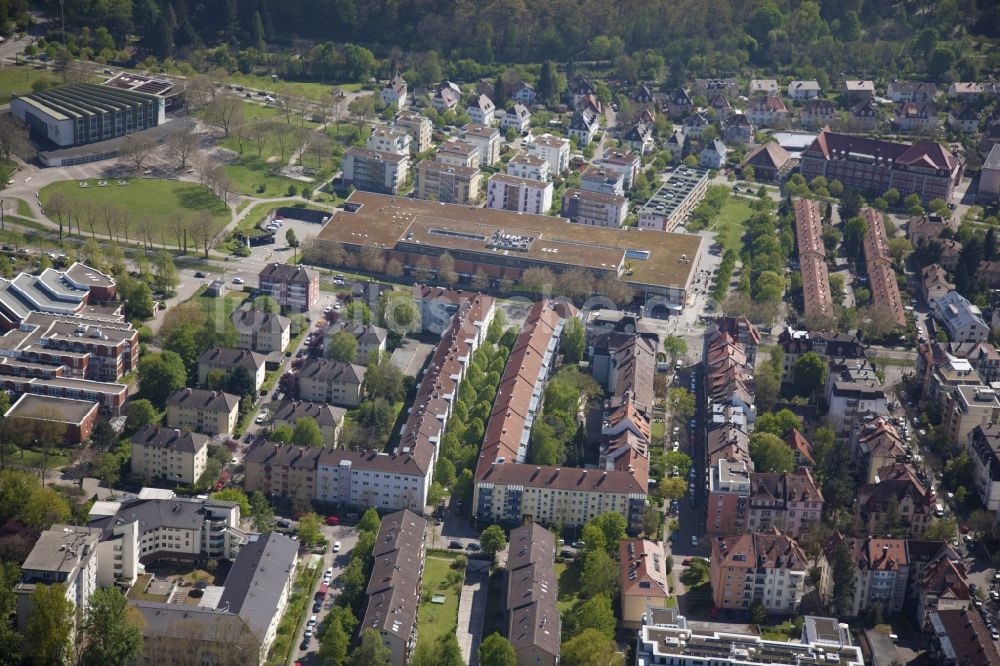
(503, 244)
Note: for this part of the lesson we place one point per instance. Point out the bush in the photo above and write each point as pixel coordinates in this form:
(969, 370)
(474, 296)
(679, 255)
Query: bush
(145, 334)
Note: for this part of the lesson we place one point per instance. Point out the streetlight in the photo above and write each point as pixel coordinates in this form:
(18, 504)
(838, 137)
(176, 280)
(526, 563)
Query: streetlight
(2, 228)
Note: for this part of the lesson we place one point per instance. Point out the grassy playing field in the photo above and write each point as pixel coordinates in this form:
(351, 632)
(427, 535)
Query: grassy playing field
(731, 224)
(161, 203)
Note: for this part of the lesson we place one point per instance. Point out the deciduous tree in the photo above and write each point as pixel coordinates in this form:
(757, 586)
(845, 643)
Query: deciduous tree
(113, 630)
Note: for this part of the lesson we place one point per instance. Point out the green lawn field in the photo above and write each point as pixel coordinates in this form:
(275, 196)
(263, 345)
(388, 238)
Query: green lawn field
(436, 620)
(19, 80)
(160, 202)
(731, 224)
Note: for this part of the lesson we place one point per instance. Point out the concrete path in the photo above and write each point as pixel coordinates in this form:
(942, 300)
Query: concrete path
(472, 609)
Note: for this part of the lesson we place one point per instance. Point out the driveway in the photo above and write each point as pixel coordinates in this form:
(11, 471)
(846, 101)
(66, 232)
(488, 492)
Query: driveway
(472, 609)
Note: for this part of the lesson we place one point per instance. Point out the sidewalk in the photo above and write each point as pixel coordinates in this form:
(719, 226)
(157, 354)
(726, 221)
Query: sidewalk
(472, 610)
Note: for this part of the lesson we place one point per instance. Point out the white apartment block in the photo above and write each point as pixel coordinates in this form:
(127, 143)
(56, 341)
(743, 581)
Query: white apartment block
(169, 453)
(531, 167)
(486, 140)
(553, 149)
(210, 412)
(963, 320)
(522, 195)
(418, 127)
(458, 153)
(482, 110)
(375, 171)
(389, 140)
(627, 164)
(594, 208)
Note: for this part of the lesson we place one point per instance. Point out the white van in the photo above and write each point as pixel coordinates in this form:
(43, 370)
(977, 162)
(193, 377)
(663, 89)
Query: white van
(939, 510)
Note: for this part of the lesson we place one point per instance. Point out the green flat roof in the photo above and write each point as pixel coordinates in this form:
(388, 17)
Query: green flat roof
(84, 99)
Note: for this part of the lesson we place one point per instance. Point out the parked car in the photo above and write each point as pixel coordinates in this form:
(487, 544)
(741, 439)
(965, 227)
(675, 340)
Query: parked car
(565, 552)
(455, 545)
(472, 545)
(336, 546)
(199, 274)
(238, 280)
(694, 540)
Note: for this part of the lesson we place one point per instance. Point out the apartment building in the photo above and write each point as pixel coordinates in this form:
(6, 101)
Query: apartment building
(375, 171)
(943, 586)
(966, 407)
(853, 390)
(643, 579)
(519, 194)
(169, 453)
(458, 153)
(791, 502)
(769, 568)
(583, 126)
(665, 639)
(907, 91)
(628, 164)
(395, 584)
(262, 332)
(983, 445)
(389, 140)
(963, 320)
(517, 118)
(803, 90)
(816, 296)
(486, 139)
(916, 117)
(594, 208)
(532, 167)
(881, 276)
(961, 637)
(110, 397)
(447, 183)
(677, 197)
(327, 417)
(446, 96)
(925, 168)
(925, 228)
(209, 412)
(602, 181)
(934, 283)
(418, 127)
(552, 149)
(294, 287)
(370, 338)
(534, 625)
(898, 496)
(728, 493)
(324, 380)
(881, 574)
(818, 113)
(481, 110)
(875, 444)
(767, 111)
(639, 138)
(226, 360)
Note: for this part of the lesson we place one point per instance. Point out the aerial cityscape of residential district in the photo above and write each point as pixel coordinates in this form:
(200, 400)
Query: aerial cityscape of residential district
(404, 333)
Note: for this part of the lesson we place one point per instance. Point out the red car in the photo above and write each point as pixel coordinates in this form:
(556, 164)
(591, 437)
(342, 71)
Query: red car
(332, 520)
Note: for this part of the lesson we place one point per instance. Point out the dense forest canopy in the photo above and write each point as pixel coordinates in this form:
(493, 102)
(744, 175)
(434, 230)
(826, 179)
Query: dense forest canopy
(940, 39)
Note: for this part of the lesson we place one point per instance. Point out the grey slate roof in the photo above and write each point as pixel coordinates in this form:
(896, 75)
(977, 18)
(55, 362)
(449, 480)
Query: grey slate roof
(170, 438)
(257, 579)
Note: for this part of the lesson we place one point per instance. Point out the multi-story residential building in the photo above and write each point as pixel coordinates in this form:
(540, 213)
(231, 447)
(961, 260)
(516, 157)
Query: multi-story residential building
(881, 574)
(583, 126)
(963, 320)
(375, 171)
(914, 117)
(393, 93)
(695, 124)
(486, 139)
(803, 90)
(763, 87)
(769, 568)
(729, 487)
(481, 110)
(853, 390)
(519, 194)
(594, 208)
(677, 197)
(389, 140)
(983, 445)
(966, 89)
(628, 164)
(418, 127)
(818, 113)
(447, 183)
(327, 417)
(721, 105)
(925, 228)
(534, 625)
(169, 453)
(517, 118)
(881, 276)
(226, 360)
(897, 496)
(643, 579)
(323, 380)
(943, 586)
(737, 129)
(713, 155)
(262, 332)
(553, 149)
(602, 181)
(791, 502)
(65, 555)
(394, 586)
(961, 637)
(110, 397)
(370, 338)
(524, 93)
(767, 111)
(679, 103)
(934, 283)
(458, 153)
(210, 412)
(925, 168)
(816, 296)
(532, 167)
(966, 407)
(877, 444)
(294, 287)
(864, 116)
(907, 91)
